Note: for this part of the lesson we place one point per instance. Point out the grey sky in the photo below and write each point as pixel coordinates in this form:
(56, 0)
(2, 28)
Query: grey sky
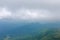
(32, 10)
(32, 4)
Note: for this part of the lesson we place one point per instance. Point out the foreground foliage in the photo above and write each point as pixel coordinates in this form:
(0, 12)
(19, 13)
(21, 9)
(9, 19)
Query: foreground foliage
(53, 34)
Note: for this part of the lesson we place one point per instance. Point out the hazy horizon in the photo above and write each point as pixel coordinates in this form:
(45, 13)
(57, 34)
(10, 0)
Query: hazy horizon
(29, 19)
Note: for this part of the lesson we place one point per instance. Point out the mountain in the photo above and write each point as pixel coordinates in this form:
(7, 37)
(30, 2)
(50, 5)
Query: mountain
(23, 29)
(50, 34)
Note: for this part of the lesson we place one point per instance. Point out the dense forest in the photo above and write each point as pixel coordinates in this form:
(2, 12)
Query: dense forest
(50, 34)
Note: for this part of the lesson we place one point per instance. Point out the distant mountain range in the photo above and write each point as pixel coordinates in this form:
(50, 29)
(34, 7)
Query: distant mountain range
(22, 29)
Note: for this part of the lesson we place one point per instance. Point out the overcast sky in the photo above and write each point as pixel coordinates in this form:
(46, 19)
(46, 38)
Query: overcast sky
(30, 10)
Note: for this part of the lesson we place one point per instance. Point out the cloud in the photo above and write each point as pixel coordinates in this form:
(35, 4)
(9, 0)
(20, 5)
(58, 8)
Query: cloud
(29, 15)
(37, 15)
(30, 10)
(14, 5)
(4, 13)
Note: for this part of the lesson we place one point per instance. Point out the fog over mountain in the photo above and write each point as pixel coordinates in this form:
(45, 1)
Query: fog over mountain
(29, 19)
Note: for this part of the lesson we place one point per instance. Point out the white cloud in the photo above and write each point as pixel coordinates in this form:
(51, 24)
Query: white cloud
(4, 13)
(29, 15)
(33, 14)
(30, 10)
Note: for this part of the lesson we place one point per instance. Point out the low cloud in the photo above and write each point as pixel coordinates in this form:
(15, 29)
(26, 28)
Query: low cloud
(30, 10)
(4, 13)
(29, 15)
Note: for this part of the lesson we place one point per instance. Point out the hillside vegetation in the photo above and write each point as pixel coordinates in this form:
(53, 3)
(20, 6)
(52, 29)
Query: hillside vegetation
(50, 34)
